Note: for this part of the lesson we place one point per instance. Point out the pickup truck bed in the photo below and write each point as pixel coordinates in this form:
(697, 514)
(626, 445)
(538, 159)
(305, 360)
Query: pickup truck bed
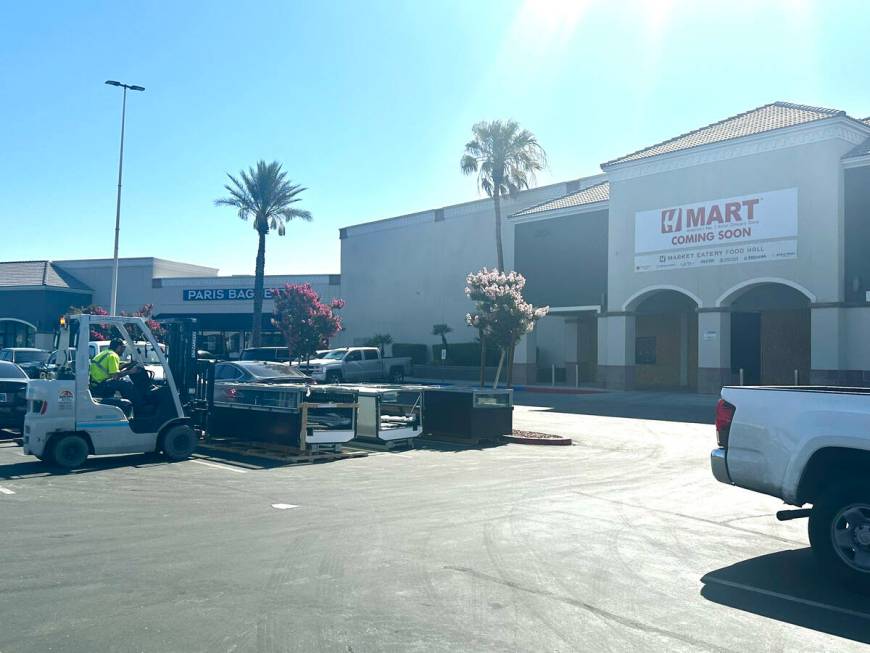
(805, 444)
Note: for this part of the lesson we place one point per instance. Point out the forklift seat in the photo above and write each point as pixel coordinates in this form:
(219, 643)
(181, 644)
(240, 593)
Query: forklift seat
(124, 404)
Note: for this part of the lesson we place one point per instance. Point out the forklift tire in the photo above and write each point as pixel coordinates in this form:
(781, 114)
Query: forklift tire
(68, 451)
(178, 442)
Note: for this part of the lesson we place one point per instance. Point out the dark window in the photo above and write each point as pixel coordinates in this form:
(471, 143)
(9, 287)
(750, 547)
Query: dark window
(354, 356)
(645, 350)
(371, 355)
(227, 372)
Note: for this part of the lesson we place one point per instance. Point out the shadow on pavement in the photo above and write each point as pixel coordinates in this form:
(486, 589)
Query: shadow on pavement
(788, 586)
(29, 466)
(663, 406)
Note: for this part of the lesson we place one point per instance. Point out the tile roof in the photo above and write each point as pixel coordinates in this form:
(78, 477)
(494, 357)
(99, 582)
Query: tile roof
(590, 195)
(759, 120)
(37, 273)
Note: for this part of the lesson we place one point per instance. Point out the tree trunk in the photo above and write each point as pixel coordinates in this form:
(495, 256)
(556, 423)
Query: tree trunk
(498, 370)
(510, 370)
(259, 271)
(482, 359)
(498, 245)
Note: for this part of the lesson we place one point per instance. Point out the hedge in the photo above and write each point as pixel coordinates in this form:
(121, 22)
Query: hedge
(465, 353)
(418, 353)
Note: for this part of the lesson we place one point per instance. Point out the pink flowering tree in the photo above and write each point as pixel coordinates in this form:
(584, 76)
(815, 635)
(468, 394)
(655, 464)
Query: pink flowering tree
(501, 315)
(105, 332)
(306, 323)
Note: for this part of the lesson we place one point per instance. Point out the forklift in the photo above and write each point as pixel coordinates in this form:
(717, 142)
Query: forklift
(67, 420)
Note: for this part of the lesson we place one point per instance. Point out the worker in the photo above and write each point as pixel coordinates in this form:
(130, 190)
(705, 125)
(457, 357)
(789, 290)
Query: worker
(109, 376)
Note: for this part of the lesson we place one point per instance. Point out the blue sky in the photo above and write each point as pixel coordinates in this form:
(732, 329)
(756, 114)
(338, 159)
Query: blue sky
(368, 104)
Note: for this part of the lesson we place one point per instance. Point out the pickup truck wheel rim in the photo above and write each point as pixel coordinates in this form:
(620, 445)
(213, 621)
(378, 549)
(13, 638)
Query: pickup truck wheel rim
(850, 535)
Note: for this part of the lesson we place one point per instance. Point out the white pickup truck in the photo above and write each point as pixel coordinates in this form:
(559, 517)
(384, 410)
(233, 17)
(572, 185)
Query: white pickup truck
(356, 364)
(805, 445)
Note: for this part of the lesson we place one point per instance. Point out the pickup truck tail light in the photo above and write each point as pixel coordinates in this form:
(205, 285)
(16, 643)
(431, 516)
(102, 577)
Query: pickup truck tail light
(724, 416)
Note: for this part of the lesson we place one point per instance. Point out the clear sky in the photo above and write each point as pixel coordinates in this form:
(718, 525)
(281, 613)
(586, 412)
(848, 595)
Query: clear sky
(367, 103)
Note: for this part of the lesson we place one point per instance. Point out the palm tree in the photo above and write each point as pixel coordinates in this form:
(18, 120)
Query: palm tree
(505, 159)
(442, 330)
(263, 195)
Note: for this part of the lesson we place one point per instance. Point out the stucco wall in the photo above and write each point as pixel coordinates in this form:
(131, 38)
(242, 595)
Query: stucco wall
(401, 276)
(813, 168)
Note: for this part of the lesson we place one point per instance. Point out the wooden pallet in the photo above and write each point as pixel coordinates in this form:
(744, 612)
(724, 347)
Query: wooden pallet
(273, 451)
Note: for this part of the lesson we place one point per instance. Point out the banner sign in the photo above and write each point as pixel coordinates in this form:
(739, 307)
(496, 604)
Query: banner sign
(222, 294)
(748, 228)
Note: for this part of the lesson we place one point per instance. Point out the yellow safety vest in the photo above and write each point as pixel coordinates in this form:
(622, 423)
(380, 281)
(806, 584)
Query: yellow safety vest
(104, 365)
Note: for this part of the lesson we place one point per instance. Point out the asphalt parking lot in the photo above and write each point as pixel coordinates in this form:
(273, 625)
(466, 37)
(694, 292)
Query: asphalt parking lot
(622, 542)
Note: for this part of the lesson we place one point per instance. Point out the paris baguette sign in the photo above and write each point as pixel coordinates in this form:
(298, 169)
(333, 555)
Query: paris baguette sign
(222, 294)
(745, 229)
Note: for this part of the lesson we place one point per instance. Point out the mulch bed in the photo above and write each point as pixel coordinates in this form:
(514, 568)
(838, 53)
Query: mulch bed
(533, 437)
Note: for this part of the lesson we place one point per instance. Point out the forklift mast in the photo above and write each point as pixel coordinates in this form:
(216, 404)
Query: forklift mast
(181, 343)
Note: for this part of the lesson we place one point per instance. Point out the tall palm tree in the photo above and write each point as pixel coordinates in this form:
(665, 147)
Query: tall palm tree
(265, 196)
(505, 159)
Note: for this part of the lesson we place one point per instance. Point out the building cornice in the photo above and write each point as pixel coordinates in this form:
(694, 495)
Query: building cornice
(836, 128)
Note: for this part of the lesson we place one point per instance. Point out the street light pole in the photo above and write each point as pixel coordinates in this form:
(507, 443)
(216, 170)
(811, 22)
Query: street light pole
(114, 306)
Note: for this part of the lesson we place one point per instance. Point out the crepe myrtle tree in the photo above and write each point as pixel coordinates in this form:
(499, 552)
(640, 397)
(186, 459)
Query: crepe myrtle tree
(306, 323)
(265, 196)
(501, 315)
(104, 332)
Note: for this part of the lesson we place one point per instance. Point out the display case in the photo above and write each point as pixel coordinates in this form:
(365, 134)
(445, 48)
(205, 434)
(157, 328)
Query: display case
(467, 413)
(279, 413)
(386, 414)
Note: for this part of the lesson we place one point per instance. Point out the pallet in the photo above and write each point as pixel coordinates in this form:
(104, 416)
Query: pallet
(280, 452)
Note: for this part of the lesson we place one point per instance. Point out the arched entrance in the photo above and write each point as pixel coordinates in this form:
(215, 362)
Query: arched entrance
(666, 340)
(770, 333)
(16, 333)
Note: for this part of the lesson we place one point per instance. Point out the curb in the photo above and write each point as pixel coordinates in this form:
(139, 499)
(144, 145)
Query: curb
(553, 442)
(555, 390)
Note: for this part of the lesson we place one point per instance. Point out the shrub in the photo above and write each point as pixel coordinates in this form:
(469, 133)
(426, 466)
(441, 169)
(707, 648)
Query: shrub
(418, 353)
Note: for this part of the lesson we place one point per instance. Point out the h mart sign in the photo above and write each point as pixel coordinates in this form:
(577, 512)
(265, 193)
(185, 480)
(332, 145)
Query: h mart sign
(714, 231)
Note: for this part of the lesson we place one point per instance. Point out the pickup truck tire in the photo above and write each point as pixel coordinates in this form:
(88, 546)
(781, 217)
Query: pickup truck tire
(68, 451)
(397, 375)
(333, 377)
(178, 442)
(839, 532)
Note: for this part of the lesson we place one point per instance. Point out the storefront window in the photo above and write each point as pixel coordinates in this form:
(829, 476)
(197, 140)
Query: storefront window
(16, 334)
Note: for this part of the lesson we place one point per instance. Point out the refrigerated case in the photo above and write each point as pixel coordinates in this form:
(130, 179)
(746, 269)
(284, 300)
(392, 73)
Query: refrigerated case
(278, 413)
(468, 413)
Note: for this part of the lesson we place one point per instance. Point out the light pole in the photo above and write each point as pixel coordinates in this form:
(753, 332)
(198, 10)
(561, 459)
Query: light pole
(113, 310)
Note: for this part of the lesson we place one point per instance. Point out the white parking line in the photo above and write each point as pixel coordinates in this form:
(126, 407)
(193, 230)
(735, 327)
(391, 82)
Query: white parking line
(5, 490)
(789, 597)
(215, 465)
(283, 506)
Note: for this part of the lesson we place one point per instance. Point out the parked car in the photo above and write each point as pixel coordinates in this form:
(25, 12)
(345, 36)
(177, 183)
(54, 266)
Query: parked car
(13, 385)
(28, 359)
(258, 372)
(357, 364)
(805, 445)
